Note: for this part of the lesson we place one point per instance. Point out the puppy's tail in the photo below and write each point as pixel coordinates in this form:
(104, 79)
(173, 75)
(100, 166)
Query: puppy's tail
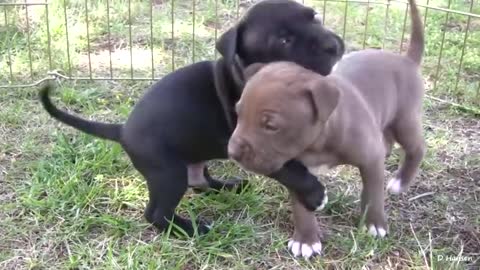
(417, 39)
(102, 130)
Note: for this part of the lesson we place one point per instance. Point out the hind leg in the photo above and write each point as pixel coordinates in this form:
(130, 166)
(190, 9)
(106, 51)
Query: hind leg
(196, 177)
(388, 141)
(167, 182)
(408, 133)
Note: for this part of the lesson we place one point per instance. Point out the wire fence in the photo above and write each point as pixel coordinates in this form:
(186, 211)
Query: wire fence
(143, 40)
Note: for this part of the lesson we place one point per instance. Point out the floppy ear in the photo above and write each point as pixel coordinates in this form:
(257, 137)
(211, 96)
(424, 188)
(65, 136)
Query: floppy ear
(323, 95)
(227, 44)
(251, 70)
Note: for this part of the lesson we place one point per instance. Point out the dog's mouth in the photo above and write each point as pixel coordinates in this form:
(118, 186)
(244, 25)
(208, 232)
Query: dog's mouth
(262, 168)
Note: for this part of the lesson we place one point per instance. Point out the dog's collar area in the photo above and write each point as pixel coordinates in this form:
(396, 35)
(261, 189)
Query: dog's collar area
(229, 83)
(237, 73)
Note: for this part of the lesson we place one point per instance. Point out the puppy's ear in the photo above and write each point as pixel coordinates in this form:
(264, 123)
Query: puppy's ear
(227, 43)
(252, 69)
(323, 95)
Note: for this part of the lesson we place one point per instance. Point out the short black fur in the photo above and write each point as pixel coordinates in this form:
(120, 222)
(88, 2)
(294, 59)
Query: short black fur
(187, 117)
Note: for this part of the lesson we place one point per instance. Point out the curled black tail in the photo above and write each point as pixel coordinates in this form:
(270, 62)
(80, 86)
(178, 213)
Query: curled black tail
(102, 130)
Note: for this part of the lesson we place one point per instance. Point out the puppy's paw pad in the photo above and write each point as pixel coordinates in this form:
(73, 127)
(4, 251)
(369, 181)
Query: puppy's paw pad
(305, 250)
(377, 231)
(395, 186)
(324, 202)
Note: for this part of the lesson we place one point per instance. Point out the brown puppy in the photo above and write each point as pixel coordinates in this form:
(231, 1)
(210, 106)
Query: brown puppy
(352, 116)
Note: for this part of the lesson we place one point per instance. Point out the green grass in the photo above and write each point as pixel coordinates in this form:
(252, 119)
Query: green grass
(69, 201)
(134, 43)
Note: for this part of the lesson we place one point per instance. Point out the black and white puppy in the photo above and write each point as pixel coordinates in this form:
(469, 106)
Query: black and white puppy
(187, 117)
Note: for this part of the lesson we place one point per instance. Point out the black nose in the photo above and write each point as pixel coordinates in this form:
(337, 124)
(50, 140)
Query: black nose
(336, 46)
(332, 44)
(331, 50)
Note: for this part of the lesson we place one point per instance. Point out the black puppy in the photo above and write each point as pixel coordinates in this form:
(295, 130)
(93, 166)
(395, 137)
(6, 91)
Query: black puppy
(187, 117)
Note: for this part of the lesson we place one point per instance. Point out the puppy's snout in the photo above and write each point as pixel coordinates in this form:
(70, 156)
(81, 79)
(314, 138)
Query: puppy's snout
(331, 47)
(238, 149)
(334, 45)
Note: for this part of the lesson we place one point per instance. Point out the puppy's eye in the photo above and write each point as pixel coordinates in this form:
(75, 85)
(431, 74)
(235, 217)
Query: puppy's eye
(286, 40)
(268, 124)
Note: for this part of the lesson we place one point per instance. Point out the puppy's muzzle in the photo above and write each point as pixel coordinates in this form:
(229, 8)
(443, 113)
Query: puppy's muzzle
(238, 149)
(335, 46)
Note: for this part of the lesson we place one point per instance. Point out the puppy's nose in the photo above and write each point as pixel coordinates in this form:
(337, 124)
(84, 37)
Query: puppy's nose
(237, 149)
(334, 46)
(331, 47)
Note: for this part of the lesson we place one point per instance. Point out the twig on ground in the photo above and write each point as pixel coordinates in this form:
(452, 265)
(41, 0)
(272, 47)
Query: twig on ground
(420, 246)
(421, 196)
(463, 108)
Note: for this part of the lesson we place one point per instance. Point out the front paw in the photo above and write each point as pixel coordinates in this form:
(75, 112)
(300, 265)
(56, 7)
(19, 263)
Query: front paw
(203, 227)
(376, 230)
(376, 225)
(306, 248)
(324, 201)
(314, 200)
(395, 186)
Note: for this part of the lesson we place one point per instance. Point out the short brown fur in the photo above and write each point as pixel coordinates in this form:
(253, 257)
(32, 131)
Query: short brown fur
(353, 116)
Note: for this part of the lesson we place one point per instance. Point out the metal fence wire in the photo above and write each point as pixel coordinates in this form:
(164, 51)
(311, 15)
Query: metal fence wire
(143, 40)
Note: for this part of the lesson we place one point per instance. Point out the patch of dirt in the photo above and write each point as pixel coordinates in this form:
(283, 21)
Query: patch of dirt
(104, 43)
(451, 211)
(475, 24)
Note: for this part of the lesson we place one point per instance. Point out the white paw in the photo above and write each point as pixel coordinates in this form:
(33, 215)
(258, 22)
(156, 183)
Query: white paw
(395, 185)
(305, 250)
(377, 231)
(334, 67)
(324, 202)
(209, 226)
